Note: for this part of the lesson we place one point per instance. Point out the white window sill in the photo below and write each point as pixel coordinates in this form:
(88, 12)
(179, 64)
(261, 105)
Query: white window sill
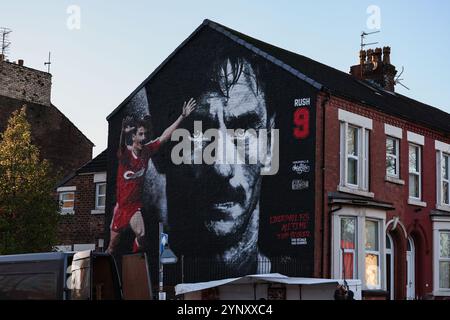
(394, 180)
(71, 212)
(356, 192)
(443, 207)
(98, 211)
(416, 202)
(442, 293)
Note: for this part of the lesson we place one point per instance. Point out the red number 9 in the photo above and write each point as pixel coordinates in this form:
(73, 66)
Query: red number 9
(301, 122)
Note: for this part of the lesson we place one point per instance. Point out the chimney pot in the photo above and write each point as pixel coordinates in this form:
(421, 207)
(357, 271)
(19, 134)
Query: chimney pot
(369, 55)
(362, 57)
(377, 54)
(20, 62)
(387, 55)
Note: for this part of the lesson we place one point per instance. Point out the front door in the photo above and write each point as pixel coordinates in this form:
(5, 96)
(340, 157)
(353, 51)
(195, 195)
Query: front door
(390, 266)
(410, 267)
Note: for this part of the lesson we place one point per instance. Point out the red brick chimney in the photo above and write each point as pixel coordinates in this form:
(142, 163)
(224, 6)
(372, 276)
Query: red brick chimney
(375, 66)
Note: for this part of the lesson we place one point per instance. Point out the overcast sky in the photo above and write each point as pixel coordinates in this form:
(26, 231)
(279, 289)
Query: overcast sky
(119, 43)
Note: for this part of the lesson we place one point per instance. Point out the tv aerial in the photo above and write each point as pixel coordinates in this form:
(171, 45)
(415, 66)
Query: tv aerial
(4, 38)
(398, 79)
(364, 35)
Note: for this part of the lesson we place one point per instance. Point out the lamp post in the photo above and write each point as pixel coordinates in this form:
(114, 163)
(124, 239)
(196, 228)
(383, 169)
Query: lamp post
(166, 256)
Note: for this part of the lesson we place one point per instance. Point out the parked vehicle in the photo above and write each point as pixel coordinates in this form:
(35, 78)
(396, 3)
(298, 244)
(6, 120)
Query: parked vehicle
(84, 275)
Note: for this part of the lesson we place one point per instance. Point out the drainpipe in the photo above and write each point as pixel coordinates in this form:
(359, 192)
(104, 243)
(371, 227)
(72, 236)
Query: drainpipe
(324, 103)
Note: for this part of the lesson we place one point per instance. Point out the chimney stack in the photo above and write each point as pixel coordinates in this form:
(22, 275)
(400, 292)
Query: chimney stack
(25, 84)
(375, 66)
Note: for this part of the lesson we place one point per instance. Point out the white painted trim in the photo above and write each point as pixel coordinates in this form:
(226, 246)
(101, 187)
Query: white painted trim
(440, 222)
(392, 131)
(442, 146)
(361, 214)
(394, 180)
(443, 207)
(64, 212)
(83, 246)
(356, 192)
(415, 202)
(98, 211)
(397, 143)
(63, 248)
(441, 293)
(443, 225)
(66, 189)
(416, 138)
(411, 270)
(355, 119)
(97, 185)
(399, 224)
(100, 177)
(418, 172)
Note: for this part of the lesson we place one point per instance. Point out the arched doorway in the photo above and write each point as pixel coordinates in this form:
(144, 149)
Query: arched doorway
(410, 270)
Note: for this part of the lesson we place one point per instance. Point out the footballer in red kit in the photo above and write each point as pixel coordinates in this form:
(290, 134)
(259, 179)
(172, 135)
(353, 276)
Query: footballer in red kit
(130, 177)
(133, 163)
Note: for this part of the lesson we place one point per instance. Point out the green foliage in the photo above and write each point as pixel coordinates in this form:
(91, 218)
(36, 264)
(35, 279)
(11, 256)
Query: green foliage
(29, 212)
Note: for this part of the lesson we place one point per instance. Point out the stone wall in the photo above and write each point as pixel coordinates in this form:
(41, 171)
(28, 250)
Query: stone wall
(23, 83)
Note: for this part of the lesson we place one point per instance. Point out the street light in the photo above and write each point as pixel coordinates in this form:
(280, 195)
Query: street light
(166, 256)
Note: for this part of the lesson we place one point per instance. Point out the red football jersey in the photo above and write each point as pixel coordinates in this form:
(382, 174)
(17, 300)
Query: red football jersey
(130, 179)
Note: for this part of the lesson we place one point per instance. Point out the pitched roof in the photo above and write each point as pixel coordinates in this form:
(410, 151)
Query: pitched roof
(96, 165)
(323, 77)
(17, 104)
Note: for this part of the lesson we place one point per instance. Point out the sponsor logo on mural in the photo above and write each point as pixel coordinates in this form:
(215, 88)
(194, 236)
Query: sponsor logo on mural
(299, 241)
(300, 184)
(301, 166)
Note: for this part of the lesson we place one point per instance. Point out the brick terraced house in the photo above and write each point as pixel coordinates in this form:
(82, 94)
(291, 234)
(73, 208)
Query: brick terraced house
(362, 190)
(83, 196)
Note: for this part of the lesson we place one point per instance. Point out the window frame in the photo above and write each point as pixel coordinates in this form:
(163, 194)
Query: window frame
(442, 259)
(361, 215)
(62, 201)
(416, 173)
(396, 156)
(440, 157)
(98, 196)
(362, 158)
(445, 155)
(343, 251)
(440, 223)
(374, 252)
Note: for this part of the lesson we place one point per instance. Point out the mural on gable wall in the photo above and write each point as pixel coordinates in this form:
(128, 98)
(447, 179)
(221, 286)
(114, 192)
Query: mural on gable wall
(232, 216)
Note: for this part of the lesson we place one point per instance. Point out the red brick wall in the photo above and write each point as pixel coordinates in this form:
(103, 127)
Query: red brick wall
(415, 219)
(57, 137)
(82, 227)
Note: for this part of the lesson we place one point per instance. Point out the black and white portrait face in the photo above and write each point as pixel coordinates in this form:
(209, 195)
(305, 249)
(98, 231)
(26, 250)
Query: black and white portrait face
(225, 218)
(226, 195)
